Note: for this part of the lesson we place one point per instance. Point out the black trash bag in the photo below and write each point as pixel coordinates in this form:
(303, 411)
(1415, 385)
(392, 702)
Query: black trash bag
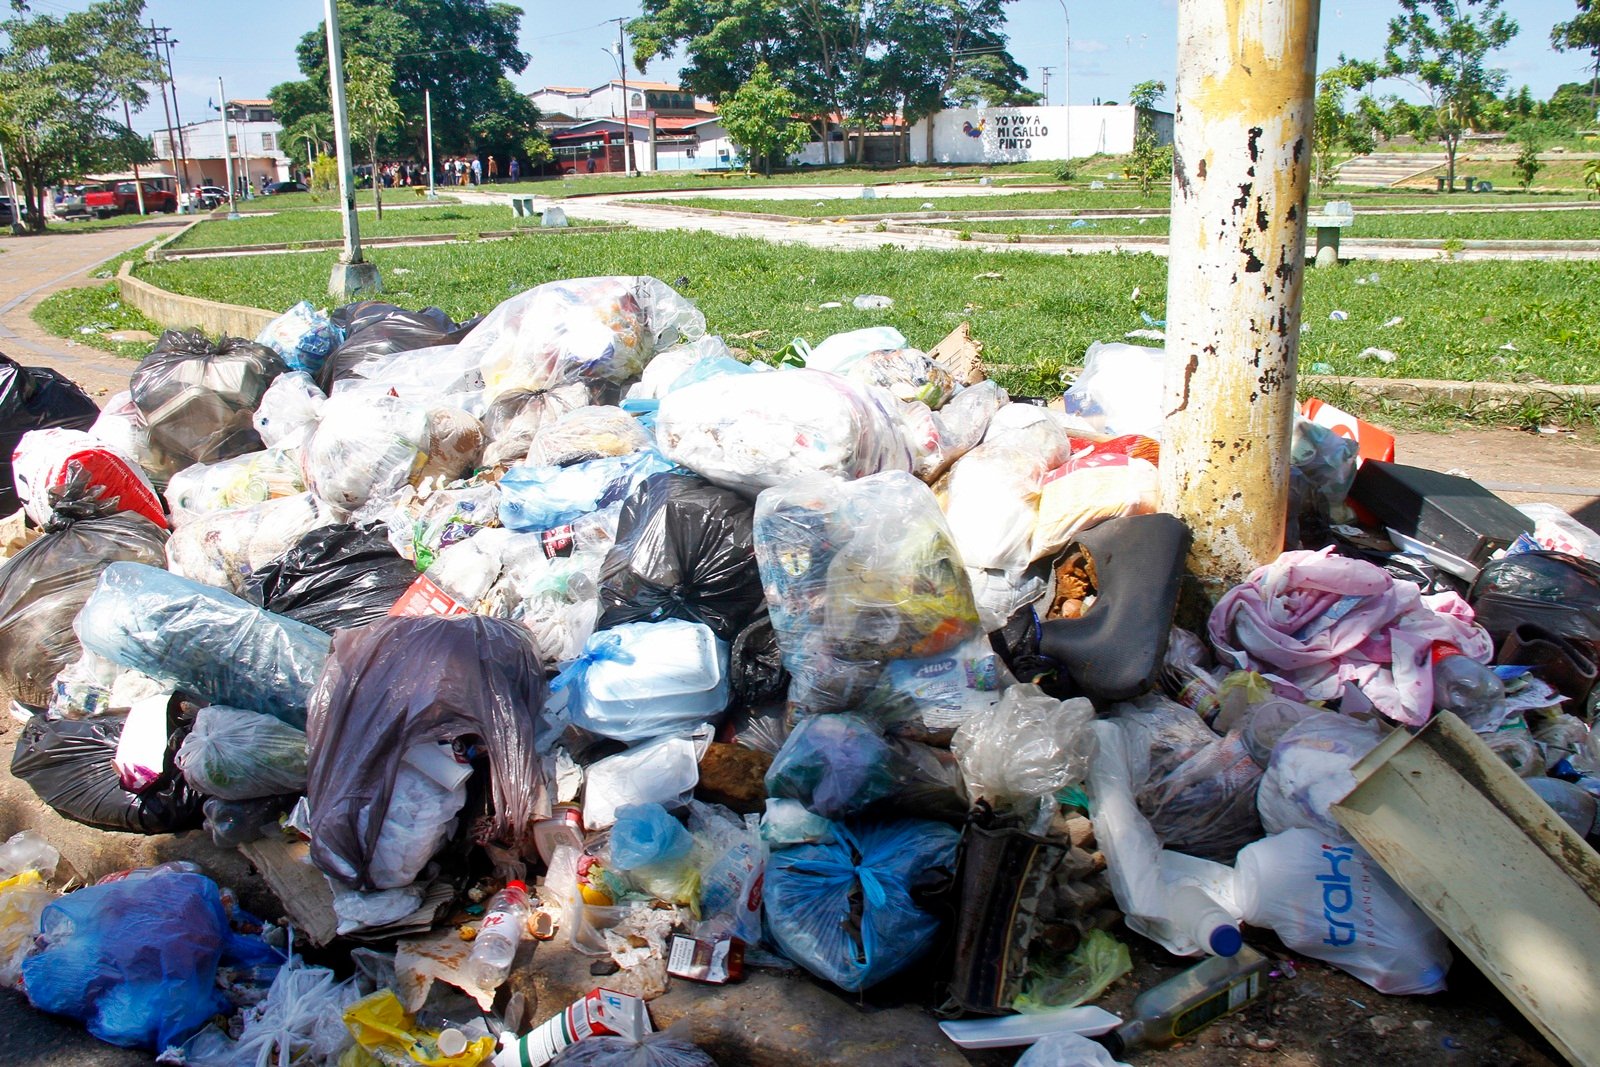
(43, 587)
(683, 551)
(406, 681)
(335, 577)
(197, 398)
(1556, 592)
(35, 398)
(756, 673)
(68, 763)
(375, 330)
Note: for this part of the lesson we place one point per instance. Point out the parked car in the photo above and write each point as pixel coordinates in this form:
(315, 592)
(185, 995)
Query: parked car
(7, 217)
(119, 198)
(287, 187)
(71, 205)
(213, 195)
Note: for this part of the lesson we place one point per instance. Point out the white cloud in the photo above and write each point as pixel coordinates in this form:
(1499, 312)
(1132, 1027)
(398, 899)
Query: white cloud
(1090, 45)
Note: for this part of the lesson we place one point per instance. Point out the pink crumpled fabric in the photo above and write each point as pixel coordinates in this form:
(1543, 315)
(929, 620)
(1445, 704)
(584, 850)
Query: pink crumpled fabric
(1311, 622)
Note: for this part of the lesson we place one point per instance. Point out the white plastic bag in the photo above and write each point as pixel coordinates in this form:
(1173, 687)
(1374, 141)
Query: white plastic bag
(1120, 390)
(429, 790)
(289, 410)
(1310, 772)
(142, 746)
(252, 478)
(1068, 1050)
(664, 771)
(748, 432)
(364, 450)
(837, 354)
(241, 755)
(1328, 899)
(939, 438)
(226, 547)
(1026, 748)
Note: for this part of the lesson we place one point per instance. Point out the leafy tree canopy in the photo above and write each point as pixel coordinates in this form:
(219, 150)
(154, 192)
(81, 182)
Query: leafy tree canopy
(760, 118)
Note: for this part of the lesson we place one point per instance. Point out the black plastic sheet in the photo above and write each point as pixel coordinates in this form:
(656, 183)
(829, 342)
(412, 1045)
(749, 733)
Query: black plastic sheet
(35, 398)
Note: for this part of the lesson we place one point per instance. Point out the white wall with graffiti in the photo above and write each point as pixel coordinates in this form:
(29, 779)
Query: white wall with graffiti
(1021, 134)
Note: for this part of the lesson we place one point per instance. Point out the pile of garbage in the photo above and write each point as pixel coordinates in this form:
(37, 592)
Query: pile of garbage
(567, 624)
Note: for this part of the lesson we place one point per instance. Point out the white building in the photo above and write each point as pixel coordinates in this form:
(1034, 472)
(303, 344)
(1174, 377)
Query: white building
(253, 140)
(670, 128)
(1024, 134)
(564, 104)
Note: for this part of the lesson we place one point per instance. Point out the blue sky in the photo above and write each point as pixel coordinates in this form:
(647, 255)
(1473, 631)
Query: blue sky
(251, 44)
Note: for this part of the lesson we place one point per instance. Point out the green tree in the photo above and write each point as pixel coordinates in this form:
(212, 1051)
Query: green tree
(370, 102)
(60, 77)
(1527, 165)
(1150, 160)
(1591, 178)
(759, 118)
(1335, 130)
(1582, 34)
(460, 51)
(1439, 47)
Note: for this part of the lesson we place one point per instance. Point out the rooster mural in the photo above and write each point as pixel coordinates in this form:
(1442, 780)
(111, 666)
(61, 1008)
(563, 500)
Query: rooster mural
(974, 131)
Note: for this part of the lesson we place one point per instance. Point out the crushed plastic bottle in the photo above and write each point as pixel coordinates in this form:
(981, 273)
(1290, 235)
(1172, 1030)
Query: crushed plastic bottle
(502, 929)
(1467, 688)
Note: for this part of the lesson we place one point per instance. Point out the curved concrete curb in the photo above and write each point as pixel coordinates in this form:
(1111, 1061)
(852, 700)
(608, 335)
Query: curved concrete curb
(176, 311)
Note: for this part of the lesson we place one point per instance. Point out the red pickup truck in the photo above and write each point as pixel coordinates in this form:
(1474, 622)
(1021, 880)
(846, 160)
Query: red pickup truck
(119, 198)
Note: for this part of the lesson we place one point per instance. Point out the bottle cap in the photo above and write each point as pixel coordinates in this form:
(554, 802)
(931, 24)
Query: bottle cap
(518, 884)
(452, 1042)
(1226, 941)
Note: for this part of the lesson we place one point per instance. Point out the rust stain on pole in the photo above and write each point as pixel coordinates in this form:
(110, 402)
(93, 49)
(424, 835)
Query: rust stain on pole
(1246, 77)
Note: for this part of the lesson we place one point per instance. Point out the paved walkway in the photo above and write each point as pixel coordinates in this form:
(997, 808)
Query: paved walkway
(31, 268)
(629, 208)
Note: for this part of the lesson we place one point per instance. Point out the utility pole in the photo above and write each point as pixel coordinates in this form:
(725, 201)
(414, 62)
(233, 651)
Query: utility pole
(161, 37)
(352, 276)
(11, 191)
(1066, 74)
(1242, 169)
(138, 186)
(627, 130)
(1045, 73)
(227, 150)
(157, 36)
(427, 108)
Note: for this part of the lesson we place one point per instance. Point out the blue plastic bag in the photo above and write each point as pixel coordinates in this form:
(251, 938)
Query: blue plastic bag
(197, 636)
(646, 835)
(136, 960)
(534, 497)
(303, 336)
(847, 910)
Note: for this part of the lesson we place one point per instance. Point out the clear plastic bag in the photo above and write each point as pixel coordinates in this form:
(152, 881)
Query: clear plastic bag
(1120, 390)
(856, 575)
(192, 635)
(748, 432)
(402, 682)
(851, 911)
(644, 836)
(991, 499)
(684, 550)
(1309, 772)
(364, 450)
(301, 1021)
(664, 771)
(905, 374)
(514, 419)
(1026, 748)
(1089, 489)
(939, 438)
(27, 862)
(841, 351)
(1327, 899)
(252, 478)
(595, 329)
(197, 398)
(1197, 789)
(137, 959)
(1068, 1050)
(455, 444)
(420, 526)
(842, 765)
(587, 433)
(234, 754)
(44, 586)
(303, 336)
(226, 548)
(652, 1050)
(289, 410)
(541, 498)
(641, 680)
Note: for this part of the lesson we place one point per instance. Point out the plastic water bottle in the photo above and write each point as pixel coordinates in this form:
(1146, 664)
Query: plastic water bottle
(1203, 919)
(1468, 688)
(498, 936)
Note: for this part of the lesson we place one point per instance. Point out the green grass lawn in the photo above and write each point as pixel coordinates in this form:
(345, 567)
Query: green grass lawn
(1036, 317)
(1577, 224)
(1555, 174)
(89, 315)
(297, 226)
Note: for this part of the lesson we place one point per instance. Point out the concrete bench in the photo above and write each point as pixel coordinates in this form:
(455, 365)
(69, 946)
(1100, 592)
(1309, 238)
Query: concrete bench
(1334, 216)
(522, 205)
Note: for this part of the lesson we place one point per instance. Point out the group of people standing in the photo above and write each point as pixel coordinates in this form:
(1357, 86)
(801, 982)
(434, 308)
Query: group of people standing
(463, 170)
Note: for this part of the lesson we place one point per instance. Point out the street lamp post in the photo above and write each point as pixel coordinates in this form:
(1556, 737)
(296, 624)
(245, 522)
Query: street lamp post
(227, 150)
(427, 106)
(1066, 75)
(352, 276)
